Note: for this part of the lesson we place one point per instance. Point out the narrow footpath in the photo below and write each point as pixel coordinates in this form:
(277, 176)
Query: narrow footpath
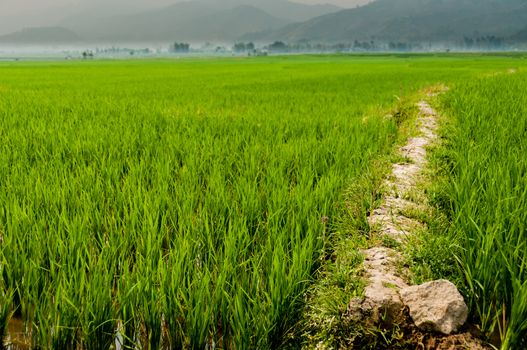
(435, 311)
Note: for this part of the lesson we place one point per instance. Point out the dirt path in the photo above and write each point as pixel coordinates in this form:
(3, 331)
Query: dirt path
(391, 221)
(385, 278)
(401, 187)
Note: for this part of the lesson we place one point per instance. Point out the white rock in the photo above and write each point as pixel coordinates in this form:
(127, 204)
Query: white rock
(381, 302)
(436, 306)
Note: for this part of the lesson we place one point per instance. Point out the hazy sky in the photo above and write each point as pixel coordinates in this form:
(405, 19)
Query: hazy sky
(17, 14)
(17, 6)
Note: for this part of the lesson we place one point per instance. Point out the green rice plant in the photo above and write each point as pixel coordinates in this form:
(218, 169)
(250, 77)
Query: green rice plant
(128, 308)
(174, 301)
(6, 300)
(98, 323)
(486, 192)
(66, 332)
(152, 317)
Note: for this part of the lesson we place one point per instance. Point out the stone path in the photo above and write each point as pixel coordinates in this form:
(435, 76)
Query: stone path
(385, 280)
(436, 306)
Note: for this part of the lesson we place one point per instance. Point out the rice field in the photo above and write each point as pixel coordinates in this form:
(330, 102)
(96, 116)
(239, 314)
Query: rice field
(187, 204)
(486, 199)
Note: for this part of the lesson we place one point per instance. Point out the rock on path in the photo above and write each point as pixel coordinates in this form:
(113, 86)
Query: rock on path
(436, 306)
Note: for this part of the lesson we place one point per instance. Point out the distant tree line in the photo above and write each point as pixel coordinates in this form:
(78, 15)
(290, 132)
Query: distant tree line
(279, 46)
(489, 42)
(243, 47)
(306, 46)
(478, 43)
(181, 47)
(87, 54)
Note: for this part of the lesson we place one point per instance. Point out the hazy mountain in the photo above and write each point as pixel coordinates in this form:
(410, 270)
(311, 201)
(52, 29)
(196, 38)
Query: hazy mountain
(292, 11)
(17, 14)
(228, 24)
(521, 35)
(230, 20)
(410, 20)
(142, 24)
(40, 35)
(194, 20)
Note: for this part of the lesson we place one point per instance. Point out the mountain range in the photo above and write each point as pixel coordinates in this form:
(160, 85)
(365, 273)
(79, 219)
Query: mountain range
(283, 20)
(521, 35)
(410, 20)
(199, 20)
(48, 35)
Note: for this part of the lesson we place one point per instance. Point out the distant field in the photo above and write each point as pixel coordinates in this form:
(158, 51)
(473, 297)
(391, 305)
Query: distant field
(187, 200)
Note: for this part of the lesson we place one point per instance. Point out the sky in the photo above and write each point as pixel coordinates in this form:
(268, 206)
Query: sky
(17, 14)
(17, 6)
(20, 6)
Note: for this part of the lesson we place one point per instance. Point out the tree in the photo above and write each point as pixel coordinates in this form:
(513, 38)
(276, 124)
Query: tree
(181, 47)
(240, 47)
(243, 47)
(278, 46)
(87, 54)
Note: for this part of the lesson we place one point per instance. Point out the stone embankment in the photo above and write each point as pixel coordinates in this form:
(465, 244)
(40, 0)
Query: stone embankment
(436, 306)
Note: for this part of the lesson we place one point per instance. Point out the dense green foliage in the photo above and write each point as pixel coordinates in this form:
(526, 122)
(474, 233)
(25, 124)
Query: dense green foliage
(187, 201)
(486, 198)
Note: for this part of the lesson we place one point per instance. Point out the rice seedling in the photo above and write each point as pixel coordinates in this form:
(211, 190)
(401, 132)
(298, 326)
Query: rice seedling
(185, 204)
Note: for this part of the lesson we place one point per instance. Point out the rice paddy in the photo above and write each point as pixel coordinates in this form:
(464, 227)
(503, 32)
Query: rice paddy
(486, 199)
(188, 204)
